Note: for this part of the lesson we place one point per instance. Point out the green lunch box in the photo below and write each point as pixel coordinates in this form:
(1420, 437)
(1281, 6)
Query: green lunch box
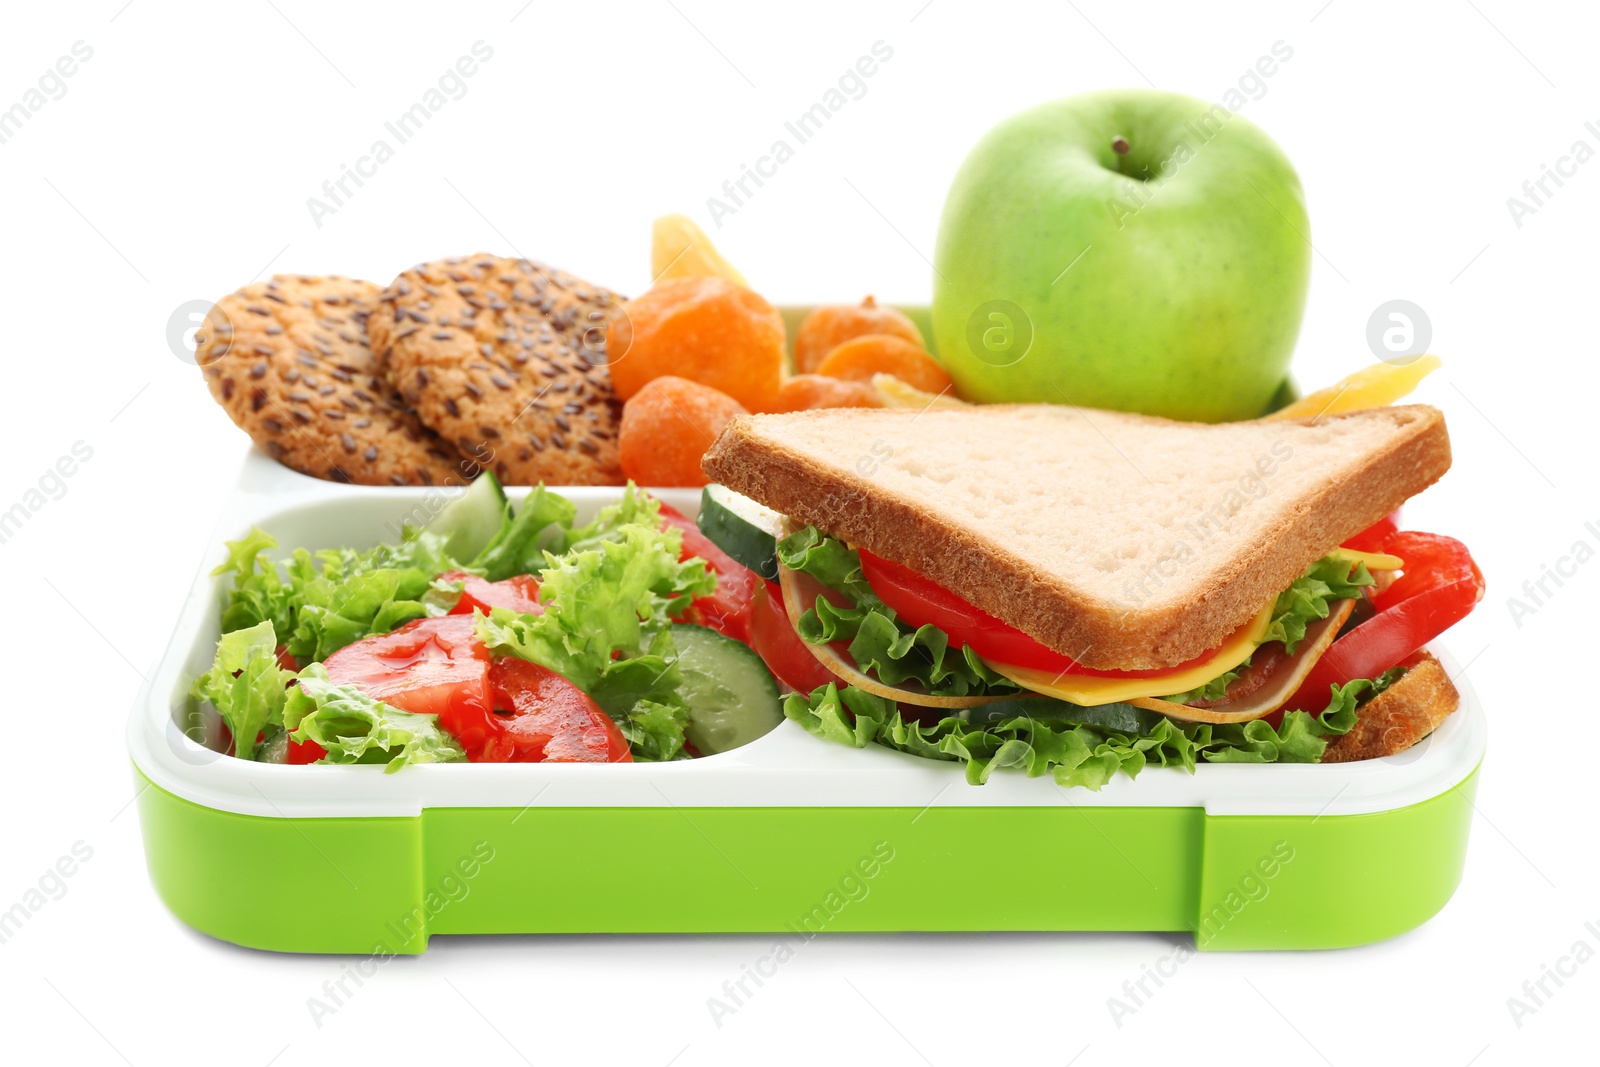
(790, 835)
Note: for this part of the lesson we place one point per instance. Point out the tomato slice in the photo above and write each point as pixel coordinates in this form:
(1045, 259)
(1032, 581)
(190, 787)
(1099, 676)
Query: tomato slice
(1431, 561)
(920, 601)
(780, 646)
(427, 667)
(1439, 586)
(302, 752)
(299, 752)
(547, 719)
(728, 610)
(519, 593)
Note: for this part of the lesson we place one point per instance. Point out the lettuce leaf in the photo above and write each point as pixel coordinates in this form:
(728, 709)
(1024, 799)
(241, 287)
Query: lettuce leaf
(878, 641)
(1077, 746)
(518, 547)
(1326, 580)
(1215, 689)
(320, 602)
(606, 627)
(1309, 598)
(338, 610)
(258, 592)
(355, 728)
(655, 730)
(246, 685)
(828, 560)
(636, 508)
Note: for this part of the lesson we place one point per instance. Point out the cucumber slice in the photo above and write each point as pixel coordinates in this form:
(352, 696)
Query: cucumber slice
(732, 697)
(472, 520)
(743, 529)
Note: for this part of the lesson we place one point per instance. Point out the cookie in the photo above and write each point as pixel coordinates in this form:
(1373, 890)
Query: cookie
(289, 361)
(506, 359)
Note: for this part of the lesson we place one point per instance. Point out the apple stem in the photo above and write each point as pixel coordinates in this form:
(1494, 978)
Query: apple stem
(1119, 145)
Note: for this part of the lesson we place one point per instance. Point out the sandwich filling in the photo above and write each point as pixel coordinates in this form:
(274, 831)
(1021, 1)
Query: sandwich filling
(902, 650)
(876, 653)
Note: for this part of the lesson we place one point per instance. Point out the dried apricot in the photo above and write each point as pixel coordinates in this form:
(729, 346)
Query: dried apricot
(859, 358)
(805, 391)
(828, 327)
(707, 330)
(667, 426)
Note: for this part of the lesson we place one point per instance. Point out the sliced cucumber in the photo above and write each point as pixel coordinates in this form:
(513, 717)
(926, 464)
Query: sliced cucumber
(743, 529)
(732, 697)
(472, 520)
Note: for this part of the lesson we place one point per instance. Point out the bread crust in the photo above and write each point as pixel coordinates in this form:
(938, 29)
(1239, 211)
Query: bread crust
(1095, 632)
(1400, 716)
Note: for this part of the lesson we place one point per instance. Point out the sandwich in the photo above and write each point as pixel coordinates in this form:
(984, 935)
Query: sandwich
(1078, 592)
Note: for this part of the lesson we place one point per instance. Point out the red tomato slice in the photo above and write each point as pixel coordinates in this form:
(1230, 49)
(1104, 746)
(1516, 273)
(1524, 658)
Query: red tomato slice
(547, 719)
(1439, 586)
(302, 752)
(919, 601)
(519, 593)
(727, 610)
(427, 667)
(1431, 561)
(775, 640)
(1371, 539)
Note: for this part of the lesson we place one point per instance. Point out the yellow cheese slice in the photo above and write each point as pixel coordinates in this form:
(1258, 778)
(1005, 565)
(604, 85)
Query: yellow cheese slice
(1088, 689)
(1375, 561)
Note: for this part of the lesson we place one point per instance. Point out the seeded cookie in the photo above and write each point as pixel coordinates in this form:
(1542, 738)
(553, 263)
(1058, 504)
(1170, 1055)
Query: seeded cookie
(289, 360)
(506, 359)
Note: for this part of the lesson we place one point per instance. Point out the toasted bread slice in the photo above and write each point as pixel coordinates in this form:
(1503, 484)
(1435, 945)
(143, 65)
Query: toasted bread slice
(1400, 716)
(1124, 541)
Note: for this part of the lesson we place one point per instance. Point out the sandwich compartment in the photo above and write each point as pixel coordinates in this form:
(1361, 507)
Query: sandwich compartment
(790, 835)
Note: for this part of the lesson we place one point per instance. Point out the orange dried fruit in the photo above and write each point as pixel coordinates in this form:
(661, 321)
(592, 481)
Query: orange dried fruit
(667, 426)
(707, 330)
(830, 326)
(806, 391)
(859, 358)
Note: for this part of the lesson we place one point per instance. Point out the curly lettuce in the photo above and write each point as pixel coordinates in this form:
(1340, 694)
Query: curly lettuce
(1076, 746)
(608, 608)
(1215, 689)
(518, 548)
(1307, 600)
(246, 685)
(321, 601)
(880, 643)
(356, 728)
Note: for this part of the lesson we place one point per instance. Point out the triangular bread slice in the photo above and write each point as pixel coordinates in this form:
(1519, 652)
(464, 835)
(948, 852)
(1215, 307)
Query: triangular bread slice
(1124, 541)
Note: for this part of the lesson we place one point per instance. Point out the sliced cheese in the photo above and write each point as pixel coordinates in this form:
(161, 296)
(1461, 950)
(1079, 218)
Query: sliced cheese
(1088, 690)
(1375, 561)
(1284, 683)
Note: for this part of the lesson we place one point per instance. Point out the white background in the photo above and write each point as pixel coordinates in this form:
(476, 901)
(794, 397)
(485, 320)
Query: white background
(177, 166)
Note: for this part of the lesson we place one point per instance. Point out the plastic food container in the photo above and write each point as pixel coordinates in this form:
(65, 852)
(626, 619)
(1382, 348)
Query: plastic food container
(791, 834)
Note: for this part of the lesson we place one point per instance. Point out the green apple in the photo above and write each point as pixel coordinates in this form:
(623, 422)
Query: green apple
(1129, 249)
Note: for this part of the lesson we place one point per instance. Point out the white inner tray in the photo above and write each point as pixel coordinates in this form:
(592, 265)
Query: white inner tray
(787, 768)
